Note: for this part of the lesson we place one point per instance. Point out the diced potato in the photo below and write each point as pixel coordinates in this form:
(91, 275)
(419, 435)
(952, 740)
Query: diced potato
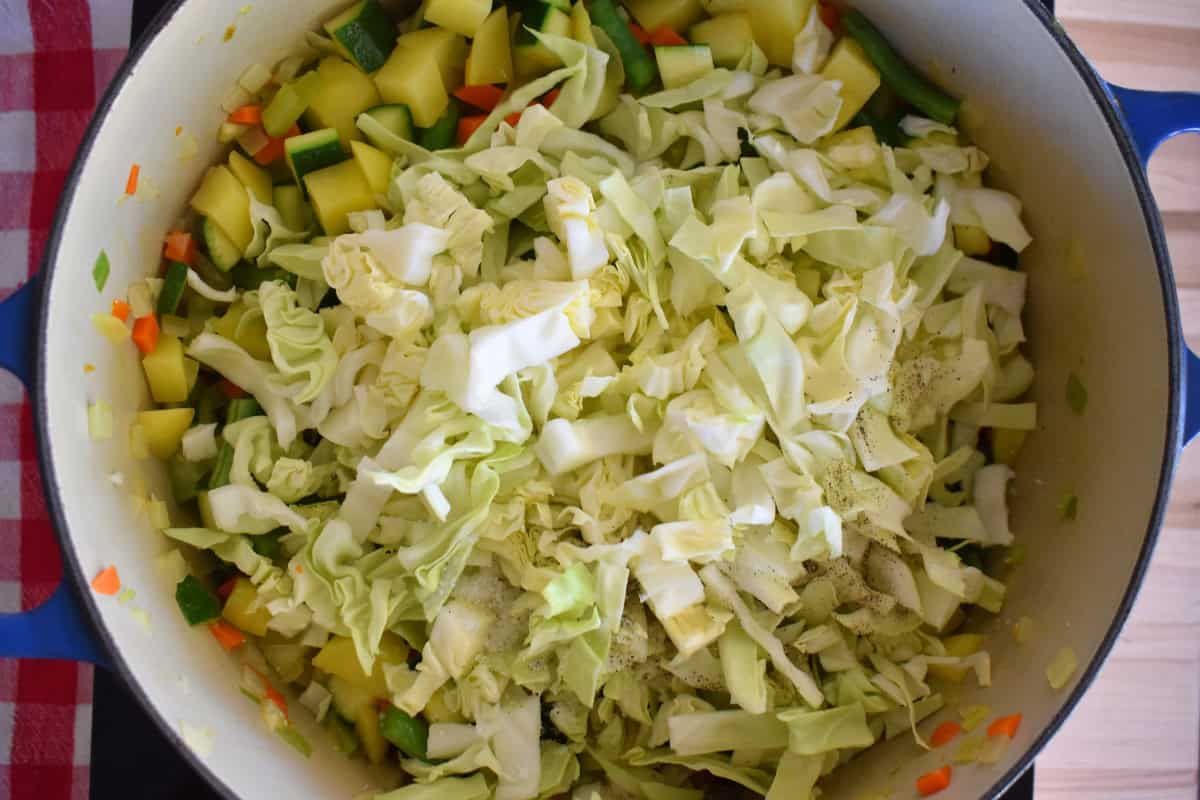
(164, 429)
(251, 336)
(1007, 444)
(166, 372)
(678, 15)
(252, 176)
(445, 48)
(366, 724)
(342, 92)
(729, 36)
(222, 199)
(960, 646)
(335, 192)
(490, 60)
(849, 64)
(339, 658)
(412, 78)
(972, 240)
(460, 16)
(376, 166)
(240, 610)
(775, 24)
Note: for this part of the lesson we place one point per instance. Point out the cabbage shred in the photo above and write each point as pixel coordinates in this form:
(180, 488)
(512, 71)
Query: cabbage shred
(651, 448)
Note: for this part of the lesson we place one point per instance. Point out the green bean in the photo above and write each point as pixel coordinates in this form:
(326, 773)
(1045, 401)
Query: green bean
(902, 79)
(239, 409)
(409, 734)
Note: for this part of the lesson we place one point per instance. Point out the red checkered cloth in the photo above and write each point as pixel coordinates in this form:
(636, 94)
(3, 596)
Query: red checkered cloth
(56, 58)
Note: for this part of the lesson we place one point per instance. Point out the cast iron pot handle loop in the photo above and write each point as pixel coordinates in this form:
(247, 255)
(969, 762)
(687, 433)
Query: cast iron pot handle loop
(1152, 118)
(57, 628)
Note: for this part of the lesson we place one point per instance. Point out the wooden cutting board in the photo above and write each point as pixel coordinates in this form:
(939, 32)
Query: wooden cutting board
(1136, 735)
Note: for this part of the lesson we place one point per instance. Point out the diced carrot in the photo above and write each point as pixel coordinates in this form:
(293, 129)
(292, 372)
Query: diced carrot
(665, 37)
(1005, 726)
(468, 125)
(273, 150)
(945, 733)
(226, 588)
(830, 16)
(121, 310)
(549, 97)
(145, 333)
(271, 693)
(485, 97)
(639, 33)
(513, 118)
(107, 581)
(228, 636)
(131, 182)
(231, 389)
(180, 246)
(934, 782)
(247, 115)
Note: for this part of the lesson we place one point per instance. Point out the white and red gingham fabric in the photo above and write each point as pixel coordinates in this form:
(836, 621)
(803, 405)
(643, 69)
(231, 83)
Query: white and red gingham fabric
(56, 58)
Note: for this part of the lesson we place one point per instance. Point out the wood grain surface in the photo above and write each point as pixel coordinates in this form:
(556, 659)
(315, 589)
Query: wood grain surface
(1136, 735)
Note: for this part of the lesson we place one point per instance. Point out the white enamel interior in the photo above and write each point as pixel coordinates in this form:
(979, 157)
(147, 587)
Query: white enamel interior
(1049, 143)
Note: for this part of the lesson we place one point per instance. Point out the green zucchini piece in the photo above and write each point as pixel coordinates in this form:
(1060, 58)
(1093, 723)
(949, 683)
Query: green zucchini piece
(310, 152)
(174, 282)
(196, 602)
(288, 104)
(396, 118)
(442, 134)
(222, 252)
(365, 32)
(531, 57)
(640, 69)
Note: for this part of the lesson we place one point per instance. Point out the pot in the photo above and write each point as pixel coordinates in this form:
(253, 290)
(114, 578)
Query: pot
(1102, 302)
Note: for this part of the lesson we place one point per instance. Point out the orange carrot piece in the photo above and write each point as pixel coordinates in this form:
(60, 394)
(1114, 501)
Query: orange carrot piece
(945, 733)
(1005, 726)
(934, 782)
(247, 115)
(145, 333)
(468, 125)
(226, 588)
(121, 310)
(180, 246)
(830, 16)
(665, 37)
(107, 581)
(639, 33)
(513, 118)
(131, 183)
(484, 97)
(228, 636)
(549, 97)
(273, 150)
(271, 693)
(231, 389)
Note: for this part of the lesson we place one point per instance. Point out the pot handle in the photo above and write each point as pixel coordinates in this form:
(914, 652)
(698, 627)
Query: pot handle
(57, 628)
(1152, 118)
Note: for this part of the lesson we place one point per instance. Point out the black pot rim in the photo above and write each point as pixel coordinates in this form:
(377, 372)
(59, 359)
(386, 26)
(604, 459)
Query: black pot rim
(1120, 132)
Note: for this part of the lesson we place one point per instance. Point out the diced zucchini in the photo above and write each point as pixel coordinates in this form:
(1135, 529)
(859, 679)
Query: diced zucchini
(250, 335)
(775, 24)
(366, 34)
(1007, 444)
(531, 57)
(223, 253)
(174, 284)
(310, 152)
(412, 78)
(678, 15)
(366, 725)
(442, 133)
(396, 118)
(375, 165)
(460, 16)
(339, 658)
(165, 371)
(972, 240)
(849, 64)
(342, 92)
(581, 25)
(252, 176)
(289, 201)
(445, 48)
(222, 199)
(729, 36)
(490, 59)
(335, 192)
(288, 104)
(679, 65)
(164, 429)
(242, 610)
